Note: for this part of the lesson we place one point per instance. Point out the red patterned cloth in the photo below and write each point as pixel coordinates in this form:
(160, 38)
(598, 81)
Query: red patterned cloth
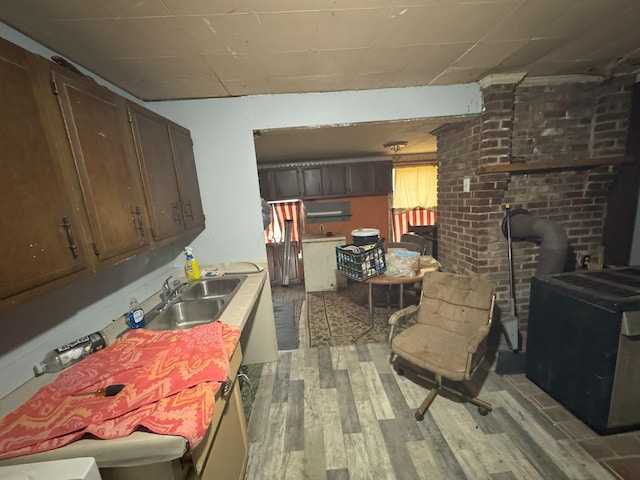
(170, 377)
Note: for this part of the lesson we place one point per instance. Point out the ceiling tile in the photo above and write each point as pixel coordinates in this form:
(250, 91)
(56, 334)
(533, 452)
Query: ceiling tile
(174, 89)
(530, 52)
(454, 75)
(443, 22)
(321, 30)
(82, 9)
(413, 57)
(234, 34)
(486, 54)
(121, 38)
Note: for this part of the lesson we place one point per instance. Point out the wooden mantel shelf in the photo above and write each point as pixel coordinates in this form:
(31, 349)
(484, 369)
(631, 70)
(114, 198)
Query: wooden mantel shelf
(523, 167)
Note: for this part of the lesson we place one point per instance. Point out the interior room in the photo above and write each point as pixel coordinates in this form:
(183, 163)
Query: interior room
(251, 226)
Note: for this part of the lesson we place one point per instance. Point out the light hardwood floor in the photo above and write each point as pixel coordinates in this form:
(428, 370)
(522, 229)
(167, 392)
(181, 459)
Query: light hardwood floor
(343, 413)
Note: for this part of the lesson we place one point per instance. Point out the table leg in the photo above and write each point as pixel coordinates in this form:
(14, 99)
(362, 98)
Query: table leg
(371, 304)
(401, 300)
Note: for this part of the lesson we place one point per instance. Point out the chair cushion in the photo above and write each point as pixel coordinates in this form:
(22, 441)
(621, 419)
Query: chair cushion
(444, 354)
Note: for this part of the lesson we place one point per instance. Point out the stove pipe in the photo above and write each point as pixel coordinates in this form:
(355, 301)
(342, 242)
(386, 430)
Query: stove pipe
(549, 235)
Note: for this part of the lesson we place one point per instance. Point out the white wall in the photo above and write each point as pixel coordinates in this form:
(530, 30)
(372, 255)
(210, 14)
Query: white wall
(222, 131)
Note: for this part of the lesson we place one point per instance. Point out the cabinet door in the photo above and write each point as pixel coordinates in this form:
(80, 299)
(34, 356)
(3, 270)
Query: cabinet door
(153, 145)
(266, 185)
(334, 180)
(39, 229)
(187, 177)
(104, 154)
(286, 184)
(382, 177)
(359, 179)
(312, 181)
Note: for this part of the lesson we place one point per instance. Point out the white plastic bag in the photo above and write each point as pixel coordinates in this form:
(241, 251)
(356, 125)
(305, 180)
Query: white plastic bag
(402, 263)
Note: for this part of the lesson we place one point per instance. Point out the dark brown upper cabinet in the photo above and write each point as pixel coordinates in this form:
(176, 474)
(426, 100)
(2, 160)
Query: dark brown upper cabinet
(287, 183)
(381, 177)
(159, 176)
(103, 150)
(41, 234)
(312, 181)
(72, 187)
(332, 180)
(182, 147)
(335, 180)
(360, 178)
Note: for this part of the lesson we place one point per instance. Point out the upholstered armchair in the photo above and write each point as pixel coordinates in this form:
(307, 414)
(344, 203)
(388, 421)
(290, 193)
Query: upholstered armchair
(448, 336)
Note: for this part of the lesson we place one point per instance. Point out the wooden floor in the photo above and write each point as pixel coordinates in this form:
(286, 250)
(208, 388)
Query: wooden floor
(343, 413)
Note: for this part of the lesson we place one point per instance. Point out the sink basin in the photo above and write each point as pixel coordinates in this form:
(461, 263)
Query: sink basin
(187, 314)
(212, 288)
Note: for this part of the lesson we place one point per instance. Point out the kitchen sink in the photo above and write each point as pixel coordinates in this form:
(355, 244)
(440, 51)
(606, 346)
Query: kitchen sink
(212, 288)
(187, 314)
(201, 302)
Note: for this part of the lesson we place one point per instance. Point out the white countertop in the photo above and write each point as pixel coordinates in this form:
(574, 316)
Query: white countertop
(139, 448)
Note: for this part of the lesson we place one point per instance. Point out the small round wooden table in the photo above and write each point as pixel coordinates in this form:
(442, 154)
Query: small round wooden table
(389, 280)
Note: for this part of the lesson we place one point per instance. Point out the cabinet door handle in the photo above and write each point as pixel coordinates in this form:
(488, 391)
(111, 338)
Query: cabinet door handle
(66, 224)
(176, 213)
(139, 225)
(227, 386)
(190, 210)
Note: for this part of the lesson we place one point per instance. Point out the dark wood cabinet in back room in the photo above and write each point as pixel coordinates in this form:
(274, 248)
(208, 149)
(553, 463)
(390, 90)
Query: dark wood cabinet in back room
(72, 184)
(331, 180)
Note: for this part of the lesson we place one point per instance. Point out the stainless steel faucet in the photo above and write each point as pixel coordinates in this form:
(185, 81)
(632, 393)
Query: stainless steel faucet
(169, 291)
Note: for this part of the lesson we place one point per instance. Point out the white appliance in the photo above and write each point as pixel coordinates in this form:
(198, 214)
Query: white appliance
(84, 468)
(319, 260)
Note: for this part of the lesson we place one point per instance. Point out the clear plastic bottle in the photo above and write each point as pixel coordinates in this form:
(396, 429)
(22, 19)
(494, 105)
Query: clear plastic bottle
(66, 355)
(136, 314)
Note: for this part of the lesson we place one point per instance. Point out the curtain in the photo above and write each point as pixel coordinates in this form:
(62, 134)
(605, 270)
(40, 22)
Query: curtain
(415, 187)
(280, 212)
(402, 218)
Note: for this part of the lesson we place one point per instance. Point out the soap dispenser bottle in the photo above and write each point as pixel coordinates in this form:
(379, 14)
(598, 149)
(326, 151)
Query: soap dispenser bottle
(136, 314)
(191, 268)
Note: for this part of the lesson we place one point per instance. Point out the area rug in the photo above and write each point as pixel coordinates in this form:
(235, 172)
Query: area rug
(342, 317)
(286, 332)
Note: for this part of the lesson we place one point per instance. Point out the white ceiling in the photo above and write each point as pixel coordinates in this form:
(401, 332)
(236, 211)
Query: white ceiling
(179, 49)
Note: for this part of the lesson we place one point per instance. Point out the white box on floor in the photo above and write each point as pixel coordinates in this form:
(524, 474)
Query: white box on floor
(84, 468)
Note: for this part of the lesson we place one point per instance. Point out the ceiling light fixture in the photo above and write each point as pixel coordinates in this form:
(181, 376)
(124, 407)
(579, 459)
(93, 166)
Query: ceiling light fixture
(395, 147)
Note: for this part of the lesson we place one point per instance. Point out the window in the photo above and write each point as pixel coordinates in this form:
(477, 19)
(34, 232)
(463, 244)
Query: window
(415, 197)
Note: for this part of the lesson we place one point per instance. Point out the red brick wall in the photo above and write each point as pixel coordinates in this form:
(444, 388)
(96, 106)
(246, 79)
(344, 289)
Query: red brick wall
(530, 122)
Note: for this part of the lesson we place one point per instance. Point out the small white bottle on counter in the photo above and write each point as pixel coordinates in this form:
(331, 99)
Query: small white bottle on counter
(66, 355)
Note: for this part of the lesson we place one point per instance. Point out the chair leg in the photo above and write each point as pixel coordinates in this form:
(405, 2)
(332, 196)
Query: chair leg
(419, 415)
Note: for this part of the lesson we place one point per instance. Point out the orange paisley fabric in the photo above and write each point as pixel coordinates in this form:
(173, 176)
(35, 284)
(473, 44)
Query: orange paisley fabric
(170, 377)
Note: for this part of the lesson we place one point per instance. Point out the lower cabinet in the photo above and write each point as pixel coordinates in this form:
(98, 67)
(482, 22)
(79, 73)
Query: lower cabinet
(230, 450)
(221, 455)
